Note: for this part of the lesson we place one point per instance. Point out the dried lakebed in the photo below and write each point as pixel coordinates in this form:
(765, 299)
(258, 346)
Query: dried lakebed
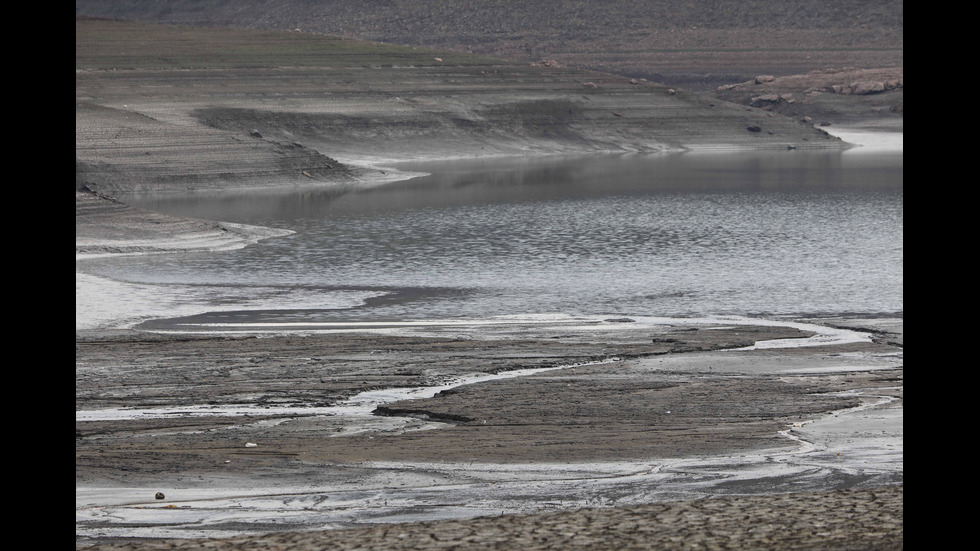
(607, 414)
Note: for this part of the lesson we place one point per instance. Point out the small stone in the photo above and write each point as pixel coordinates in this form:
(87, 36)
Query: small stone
(159, 495)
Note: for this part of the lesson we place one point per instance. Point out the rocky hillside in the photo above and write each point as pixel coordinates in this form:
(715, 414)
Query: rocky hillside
(855, 96)
(692, 44)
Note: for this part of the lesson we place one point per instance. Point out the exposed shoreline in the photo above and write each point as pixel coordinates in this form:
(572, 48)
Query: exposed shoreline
(654, 434)
(734, 447)
(447, 440)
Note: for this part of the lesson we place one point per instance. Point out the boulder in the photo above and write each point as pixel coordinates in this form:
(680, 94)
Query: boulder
(765, 99)
(867, 87)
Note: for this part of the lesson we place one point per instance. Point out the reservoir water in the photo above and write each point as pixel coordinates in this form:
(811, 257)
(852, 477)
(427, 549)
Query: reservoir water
(780, 233)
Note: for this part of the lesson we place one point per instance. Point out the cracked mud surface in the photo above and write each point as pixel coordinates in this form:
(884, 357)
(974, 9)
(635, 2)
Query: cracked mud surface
(846, 519)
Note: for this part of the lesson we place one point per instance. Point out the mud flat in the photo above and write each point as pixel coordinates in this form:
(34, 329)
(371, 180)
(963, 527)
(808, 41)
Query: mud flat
(246, 435)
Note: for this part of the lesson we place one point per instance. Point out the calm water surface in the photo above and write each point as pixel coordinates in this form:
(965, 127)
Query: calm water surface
(674, 235)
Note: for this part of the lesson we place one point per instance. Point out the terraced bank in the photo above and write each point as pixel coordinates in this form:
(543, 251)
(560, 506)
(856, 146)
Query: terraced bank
(166, 108)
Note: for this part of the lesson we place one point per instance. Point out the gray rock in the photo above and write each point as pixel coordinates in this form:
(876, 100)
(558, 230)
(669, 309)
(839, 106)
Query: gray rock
(867, 87)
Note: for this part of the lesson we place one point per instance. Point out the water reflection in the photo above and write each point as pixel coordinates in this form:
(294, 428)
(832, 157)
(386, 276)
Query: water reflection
(680, 234)
(509, 180)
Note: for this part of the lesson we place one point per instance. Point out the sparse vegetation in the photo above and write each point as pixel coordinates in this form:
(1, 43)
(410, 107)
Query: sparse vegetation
(691, 44)
(103, 44)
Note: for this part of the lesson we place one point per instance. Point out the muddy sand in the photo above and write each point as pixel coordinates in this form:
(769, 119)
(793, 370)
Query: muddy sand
(245, 435)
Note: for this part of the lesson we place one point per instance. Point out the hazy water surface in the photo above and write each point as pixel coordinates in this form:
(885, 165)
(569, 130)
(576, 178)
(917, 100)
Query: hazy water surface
(673, 235)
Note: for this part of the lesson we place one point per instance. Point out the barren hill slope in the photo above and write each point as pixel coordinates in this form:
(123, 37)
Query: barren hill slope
(162, 107)
(697, 45)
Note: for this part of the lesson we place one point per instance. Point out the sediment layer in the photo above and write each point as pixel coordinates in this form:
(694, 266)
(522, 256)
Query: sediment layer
(105, 226)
